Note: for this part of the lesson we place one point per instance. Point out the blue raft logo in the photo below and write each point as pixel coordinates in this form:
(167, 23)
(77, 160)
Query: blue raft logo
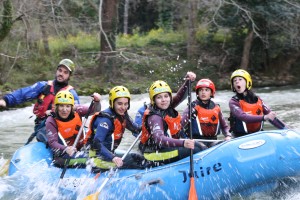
(203, 171)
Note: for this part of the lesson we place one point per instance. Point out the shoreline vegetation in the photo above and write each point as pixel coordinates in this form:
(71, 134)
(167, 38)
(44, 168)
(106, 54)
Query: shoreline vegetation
(138, 61)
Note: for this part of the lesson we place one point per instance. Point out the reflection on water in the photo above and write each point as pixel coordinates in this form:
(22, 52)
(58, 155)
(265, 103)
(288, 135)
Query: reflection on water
(16, 125)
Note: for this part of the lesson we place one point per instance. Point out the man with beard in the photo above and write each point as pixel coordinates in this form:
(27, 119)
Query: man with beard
(44, 92)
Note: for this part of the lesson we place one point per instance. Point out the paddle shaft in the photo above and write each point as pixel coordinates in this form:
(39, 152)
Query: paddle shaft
(192, 191)
(123, 157)
(190, 126)
(77, 138)
(131, 146)
(203, 140)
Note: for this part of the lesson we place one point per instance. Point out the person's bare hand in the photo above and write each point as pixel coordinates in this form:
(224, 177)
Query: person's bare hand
(48, 112)
(227, 138)
(96, 97)
(2, 103)
(71, 150)
(190, 144)
(271, 116)
(118, 161)
(190, 76)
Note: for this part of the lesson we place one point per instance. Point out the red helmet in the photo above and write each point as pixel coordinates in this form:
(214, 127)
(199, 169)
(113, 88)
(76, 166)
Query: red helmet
(206, 83)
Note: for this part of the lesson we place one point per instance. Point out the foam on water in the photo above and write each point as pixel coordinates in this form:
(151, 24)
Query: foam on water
(16, 126)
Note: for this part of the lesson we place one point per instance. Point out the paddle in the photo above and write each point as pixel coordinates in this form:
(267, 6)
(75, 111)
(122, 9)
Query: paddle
(96, 194)
(192, 192)
(76, 140)
(208, 140)
(4, 168)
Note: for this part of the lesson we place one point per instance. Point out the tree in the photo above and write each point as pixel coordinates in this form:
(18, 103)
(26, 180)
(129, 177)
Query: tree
(125, 20)
(166, 14)
(43, 26)
(7, 21)
(108, 21)
(192, 27)
(267, 30)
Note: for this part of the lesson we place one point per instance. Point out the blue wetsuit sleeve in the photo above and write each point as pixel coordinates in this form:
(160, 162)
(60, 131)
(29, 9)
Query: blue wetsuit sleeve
(138, 120)
(139, 115)
(76, 97)
(24, 94)
(103, 136)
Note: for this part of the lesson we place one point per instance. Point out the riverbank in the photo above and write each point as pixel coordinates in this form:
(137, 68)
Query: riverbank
(138, 84)
(86, 84)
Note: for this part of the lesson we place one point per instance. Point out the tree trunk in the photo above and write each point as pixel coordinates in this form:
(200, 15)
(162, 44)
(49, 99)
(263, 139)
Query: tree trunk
(43, 25)
(126, 7)
(45, 37)
(108, 19)
(192, 47)
(246, 51)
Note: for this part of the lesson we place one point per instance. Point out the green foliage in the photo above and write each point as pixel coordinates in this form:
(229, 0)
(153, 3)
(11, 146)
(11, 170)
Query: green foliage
(6, 22)
(91, 86)
(156, 47)
(82, 42)
(213, 35)
(152, 56)
(74, 7)
(165, 8)
(153, 37)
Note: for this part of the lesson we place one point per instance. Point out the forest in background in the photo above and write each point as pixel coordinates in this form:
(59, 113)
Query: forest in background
(133, 43)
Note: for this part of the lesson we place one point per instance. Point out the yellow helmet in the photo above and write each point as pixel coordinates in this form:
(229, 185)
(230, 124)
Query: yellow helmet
(118, 92)
(245, 75)
(64, 97)
(68, 64)
(158, 87)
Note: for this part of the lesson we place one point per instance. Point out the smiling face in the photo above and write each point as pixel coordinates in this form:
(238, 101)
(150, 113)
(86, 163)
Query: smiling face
(204, 93)
(64, 110)
(121, 105)
(62, 74)
(239, 84)
(162, 100)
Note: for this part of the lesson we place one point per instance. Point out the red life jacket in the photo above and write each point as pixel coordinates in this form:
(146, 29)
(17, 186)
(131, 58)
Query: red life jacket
(208, 120)
(69, 130)
(173, 125)
(253, 109)
(46, 101)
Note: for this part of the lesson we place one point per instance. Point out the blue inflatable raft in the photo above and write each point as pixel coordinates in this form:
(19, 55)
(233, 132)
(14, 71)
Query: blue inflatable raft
(242, 166)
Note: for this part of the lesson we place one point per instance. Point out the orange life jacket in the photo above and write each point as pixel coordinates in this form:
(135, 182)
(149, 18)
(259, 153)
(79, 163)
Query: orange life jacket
(69, 130)
(118, 130)
(90, 134)
(208, 120)
(173, 125)
(253, 109)
(46, 101)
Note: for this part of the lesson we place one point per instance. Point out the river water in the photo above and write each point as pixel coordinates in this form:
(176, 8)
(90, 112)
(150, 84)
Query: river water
(16, 125)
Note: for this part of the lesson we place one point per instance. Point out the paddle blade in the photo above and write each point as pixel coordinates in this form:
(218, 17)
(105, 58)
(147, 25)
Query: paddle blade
(92, 196)
(193, 192)
(4, 168)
